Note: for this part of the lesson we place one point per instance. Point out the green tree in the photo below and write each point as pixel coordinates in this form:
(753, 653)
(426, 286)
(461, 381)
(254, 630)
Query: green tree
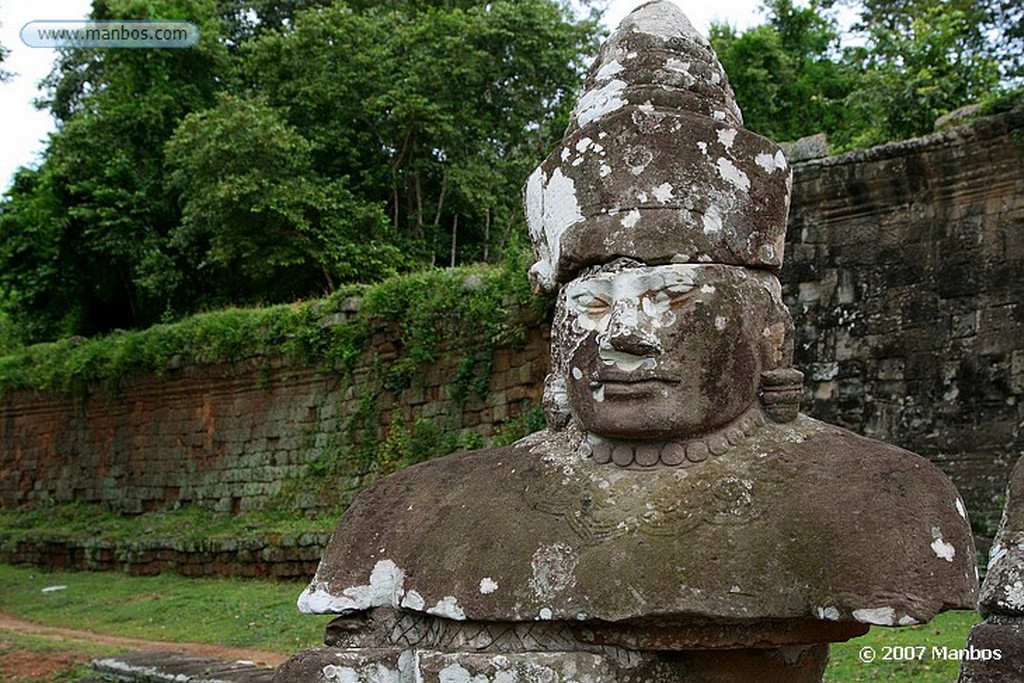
(102, 179)
(257, 220)
(41, 297)
(1007, 17)
(912, 61)
(787, 80)
(435, 110)
(244, 19)
(919, 60)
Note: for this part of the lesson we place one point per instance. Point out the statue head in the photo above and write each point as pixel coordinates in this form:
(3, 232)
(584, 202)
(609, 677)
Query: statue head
(666, 351)
(660, 223)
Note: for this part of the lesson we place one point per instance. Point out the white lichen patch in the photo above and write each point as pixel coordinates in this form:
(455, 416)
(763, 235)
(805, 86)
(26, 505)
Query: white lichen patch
(488, 585)
(727, 137)
(677, 65)
(385, 588)
(631, 219)
(609, 70)
(880, 616)
(712, 220)
(943, 551)
(545, 614)
(770, 162)
(1014, 596)
(554, 569)
(663, 192)
(830, 613)
(626, 362)
(414, 601)
(375, 672)
(582, 144)
(595, 104)
(995, 554)
(542, 272)
(907, 620)
(455, 673)
(448, 607)
(561, 208)
(551, 207)
(604, 170)
(733, 175)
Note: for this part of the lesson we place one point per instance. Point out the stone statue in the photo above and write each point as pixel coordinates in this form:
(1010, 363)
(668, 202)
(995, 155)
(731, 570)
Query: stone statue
(995, 649)
(678, 521)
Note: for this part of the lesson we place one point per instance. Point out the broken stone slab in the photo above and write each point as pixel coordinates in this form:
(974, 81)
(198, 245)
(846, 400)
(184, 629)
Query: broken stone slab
(178, 667)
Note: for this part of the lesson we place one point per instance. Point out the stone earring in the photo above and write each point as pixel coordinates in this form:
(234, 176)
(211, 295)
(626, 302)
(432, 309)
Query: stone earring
(781, 391)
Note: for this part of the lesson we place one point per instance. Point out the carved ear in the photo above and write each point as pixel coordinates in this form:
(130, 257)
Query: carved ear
(556, 401)
(781, 391)
(782, 385)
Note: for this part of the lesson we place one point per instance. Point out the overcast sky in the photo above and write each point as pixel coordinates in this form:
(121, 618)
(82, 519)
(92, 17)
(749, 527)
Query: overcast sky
(24, 128)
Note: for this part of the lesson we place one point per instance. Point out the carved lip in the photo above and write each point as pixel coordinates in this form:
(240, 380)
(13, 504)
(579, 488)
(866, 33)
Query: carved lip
(617, 377)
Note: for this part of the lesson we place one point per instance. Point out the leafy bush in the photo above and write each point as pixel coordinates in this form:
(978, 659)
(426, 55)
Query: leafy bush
(468, 309)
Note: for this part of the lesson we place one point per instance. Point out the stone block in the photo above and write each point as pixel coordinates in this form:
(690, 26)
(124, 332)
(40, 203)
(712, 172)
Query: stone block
(965, 325)
(332, 665)
(994, 653)
(539, 667)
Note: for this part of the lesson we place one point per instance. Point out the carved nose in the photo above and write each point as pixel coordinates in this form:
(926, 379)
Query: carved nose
(630, 330)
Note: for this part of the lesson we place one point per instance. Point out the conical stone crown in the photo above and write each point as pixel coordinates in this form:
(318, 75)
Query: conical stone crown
(655, 164)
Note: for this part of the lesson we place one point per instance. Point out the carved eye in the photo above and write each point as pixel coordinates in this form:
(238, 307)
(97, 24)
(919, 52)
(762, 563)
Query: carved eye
(676, 296)
(593, 306)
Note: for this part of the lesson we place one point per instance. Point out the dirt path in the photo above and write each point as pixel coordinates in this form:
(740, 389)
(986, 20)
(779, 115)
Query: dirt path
(21, 665)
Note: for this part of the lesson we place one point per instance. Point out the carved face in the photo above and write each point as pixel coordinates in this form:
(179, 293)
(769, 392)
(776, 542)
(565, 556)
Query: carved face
(654, 352)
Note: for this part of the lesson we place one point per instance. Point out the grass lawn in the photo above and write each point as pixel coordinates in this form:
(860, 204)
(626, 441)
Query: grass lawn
(239, 613)
(262, 615)
(947, 630)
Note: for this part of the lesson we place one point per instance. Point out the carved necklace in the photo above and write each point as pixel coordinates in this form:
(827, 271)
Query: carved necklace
(674, 453)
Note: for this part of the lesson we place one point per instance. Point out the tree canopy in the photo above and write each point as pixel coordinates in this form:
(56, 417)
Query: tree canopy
(300, 145)
(905, 63)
